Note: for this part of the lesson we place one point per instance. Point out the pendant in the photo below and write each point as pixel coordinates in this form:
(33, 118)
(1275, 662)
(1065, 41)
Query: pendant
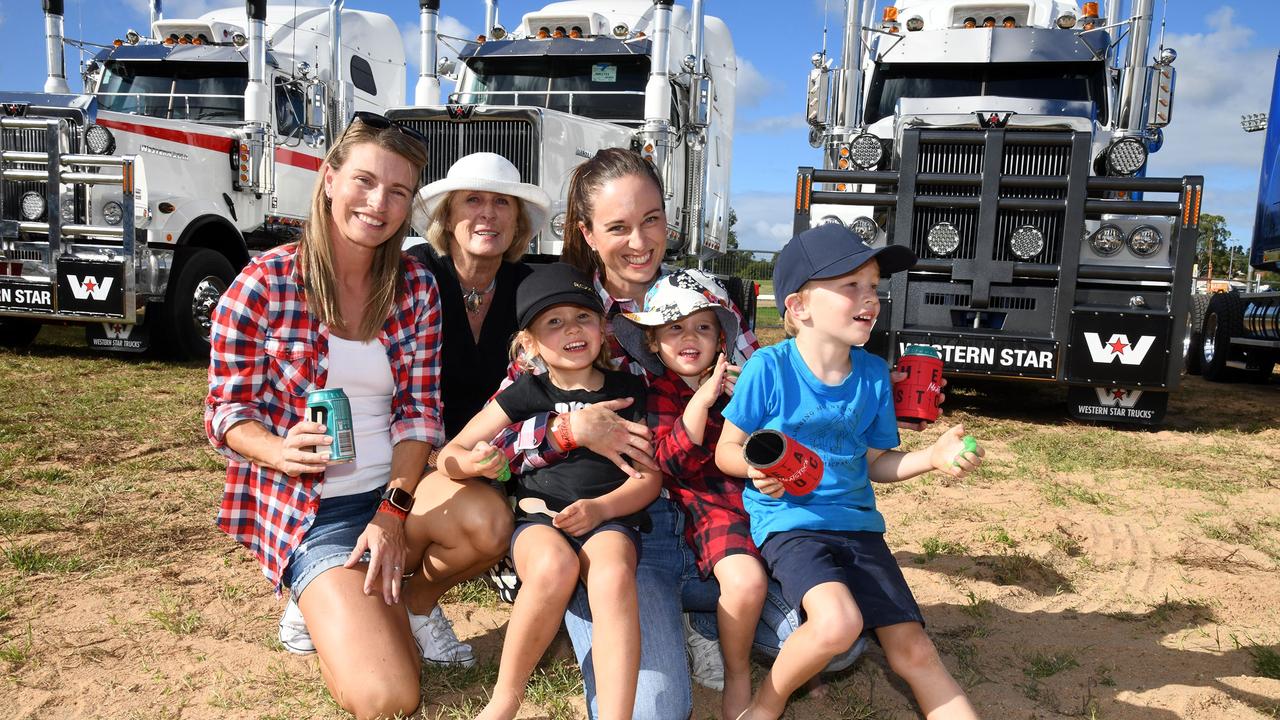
(472, 299)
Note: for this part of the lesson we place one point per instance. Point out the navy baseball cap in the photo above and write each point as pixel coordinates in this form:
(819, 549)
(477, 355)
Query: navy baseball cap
(826, 251)
(554, 284)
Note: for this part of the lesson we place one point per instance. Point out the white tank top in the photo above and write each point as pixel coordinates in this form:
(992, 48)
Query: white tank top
(363, 372)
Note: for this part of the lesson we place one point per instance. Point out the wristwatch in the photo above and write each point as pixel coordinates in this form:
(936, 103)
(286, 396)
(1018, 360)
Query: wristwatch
(401, 500)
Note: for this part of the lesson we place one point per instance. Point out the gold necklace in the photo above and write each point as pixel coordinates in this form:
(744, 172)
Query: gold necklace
(474, 297)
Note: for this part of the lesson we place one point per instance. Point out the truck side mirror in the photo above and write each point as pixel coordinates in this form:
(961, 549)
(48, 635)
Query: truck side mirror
(447, 68)
(1160, 78)
(819, 93)
(317, 101)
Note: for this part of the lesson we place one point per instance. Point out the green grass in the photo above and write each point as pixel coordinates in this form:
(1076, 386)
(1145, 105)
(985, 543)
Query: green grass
(1041, 666)
(30, 560)
(475, 592)
(1062, 494)
(935, 546)
(22, 522)
(552, 686)
(16, 650)
(174, 615)
(1266, 660)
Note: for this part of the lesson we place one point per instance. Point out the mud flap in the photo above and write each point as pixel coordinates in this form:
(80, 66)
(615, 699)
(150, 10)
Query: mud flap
(1117, 405)
(118, 337)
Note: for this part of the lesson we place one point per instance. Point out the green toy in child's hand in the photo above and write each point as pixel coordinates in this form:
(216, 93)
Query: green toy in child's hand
(970, 446)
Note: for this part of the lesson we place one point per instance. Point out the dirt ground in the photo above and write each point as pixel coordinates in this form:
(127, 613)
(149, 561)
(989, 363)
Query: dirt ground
(1085, 571)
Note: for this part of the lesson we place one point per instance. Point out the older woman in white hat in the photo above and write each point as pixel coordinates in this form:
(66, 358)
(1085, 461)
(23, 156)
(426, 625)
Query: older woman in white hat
(478, 221)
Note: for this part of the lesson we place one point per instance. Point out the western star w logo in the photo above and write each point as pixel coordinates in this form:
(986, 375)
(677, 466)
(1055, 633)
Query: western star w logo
(1118, 347)
(993, 119)
(89, 287)
(1118, 397)
(461, 112)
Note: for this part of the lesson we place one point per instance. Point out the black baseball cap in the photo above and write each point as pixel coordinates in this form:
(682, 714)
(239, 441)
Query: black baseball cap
(830, 250)
(554, 284)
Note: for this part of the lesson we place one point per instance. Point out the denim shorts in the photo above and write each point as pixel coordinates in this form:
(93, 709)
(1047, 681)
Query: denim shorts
(331, 538)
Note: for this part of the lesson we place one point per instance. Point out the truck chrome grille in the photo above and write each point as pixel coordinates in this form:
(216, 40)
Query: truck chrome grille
(11, 192)
(515, 140)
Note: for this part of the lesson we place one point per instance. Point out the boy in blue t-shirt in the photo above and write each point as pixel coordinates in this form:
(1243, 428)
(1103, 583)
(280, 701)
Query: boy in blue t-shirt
(826, 548)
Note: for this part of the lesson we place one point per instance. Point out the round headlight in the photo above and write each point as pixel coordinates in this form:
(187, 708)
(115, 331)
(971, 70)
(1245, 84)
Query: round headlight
(99, 140)
(1144, 241)
(943, 238)
(557, 226)
(1107, 240)
(1126, 156)
(865, 228)
(1066, 21)
(830, 219)
(915, 24)
(1026, 242)
(68, 211)
(867, 151)
(112, 212)
(32, 205)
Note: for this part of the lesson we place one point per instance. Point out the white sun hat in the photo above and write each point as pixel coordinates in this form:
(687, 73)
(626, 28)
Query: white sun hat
(489, 172)
(676, 296)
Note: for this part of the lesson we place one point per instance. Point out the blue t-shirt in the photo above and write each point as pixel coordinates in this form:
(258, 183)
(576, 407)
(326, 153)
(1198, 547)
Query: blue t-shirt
(778, 391)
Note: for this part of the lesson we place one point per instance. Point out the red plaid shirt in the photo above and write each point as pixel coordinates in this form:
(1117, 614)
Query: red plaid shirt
(718, 525)
(268, 351)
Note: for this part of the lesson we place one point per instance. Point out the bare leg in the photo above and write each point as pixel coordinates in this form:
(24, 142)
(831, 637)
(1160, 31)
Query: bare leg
(913, 657)
(833, 624)
(609, 569)
(367, 656)
(549, 573)
(742, 589)
(456, 531)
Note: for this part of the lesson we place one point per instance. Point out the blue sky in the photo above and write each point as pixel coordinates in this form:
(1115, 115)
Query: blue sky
(1226, 53)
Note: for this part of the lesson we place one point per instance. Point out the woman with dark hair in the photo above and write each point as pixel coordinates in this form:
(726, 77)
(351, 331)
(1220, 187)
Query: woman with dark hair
(342, 308)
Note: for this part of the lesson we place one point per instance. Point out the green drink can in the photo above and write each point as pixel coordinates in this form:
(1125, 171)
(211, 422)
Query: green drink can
(331, 408)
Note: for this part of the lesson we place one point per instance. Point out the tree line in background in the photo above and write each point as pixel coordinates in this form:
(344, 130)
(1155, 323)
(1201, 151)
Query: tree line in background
(1226, 258)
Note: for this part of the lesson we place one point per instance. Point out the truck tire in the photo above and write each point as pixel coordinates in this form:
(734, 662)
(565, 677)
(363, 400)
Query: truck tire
(1195, 334)
(199, 278)
(18, 332)
(1223, 320)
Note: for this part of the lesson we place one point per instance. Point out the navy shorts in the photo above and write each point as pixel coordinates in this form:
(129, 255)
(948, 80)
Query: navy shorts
(332, 536)
(801, 560)
(576, 543)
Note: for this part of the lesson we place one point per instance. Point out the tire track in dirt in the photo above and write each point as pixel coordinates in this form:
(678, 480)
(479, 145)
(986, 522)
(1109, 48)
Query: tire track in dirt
(1124, 551)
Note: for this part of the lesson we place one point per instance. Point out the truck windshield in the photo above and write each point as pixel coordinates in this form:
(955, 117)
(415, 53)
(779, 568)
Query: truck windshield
(1036, 81)
(200, 91)
(604, 88)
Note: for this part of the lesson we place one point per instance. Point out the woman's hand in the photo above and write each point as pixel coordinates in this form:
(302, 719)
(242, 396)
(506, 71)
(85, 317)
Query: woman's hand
(896, 377)
(296, 454)
(765, 484)
(580, 518)
(956, 454)
(710, 389)
(486, 460)
(599, 428)
(384, 539)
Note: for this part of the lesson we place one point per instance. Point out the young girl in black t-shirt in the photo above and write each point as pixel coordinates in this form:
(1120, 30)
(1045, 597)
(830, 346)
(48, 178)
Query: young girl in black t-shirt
(578, 518)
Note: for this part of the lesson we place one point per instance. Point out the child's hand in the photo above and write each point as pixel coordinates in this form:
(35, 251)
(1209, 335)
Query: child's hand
(765, 484)
(955, 453)
(711, 388)
(486, 460)
(731, 373)
(897, 377)
(580, 518)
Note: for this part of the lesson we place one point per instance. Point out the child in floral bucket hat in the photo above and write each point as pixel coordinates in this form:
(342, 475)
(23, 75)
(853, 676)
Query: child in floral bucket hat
(681, 338)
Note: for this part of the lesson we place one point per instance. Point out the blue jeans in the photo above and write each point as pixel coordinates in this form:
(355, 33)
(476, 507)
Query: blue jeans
(668, 584)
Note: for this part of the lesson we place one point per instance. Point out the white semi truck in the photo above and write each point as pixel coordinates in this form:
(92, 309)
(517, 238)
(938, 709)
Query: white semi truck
(130, 208)
(1006, 143)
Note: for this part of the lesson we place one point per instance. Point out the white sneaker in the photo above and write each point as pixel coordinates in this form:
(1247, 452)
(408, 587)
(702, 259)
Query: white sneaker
(293, 631)
(437, 641)
(706, 664)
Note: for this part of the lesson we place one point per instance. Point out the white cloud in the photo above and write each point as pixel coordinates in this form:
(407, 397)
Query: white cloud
(773, 124)
(753, 86)
(764, 220)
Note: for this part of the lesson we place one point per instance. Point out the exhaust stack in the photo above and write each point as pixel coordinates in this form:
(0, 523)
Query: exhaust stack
(55, 56)
(157, 14)
(490, 16)
(1133, 96)
(849, 108)
(337, 78)
(427, 91)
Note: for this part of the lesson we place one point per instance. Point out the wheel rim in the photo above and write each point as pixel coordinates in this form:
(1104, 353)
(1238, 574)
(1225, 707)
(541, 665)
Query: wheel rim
(1210, 335)
(203, 300)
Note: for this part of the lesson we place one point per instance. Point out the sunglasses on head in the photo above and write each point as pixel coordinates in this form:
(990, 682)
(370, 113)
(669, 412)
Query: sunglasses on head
(381, 122)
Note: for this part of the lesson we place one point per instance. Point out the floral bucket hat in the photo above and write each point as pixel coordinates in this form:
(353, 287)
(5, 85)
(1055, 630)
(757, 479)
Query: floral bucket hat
(675, 296)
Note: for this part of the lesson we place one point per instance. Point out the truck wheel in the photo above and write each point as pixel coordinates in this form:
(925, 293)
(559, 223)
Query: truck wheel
(18, 332)
(198, 281)
(1194, 355)
(1223, 320)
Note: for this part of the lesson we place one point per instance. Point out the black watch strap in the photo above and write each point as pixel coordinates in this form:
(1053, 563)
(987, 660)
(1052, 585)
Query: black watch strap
(399, 499)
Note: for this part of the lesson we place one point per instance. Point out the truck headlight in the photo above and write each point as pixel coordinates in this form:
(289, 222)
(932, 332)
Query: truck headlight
(112, 212)
(943, 238)
(1107, 240)
(866, 228)
(68, 211)
(99, 140)
(867, 151)
(1145, 241)
(32, 205)
(1126, 156)
(1026, 242)
(557, 226)
(829, 219)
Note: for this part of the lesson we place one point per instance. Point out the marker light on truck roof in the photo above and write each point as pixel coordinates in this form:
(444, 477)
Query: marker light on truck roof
(1126, 156)
(989, 22)
(890, 14)
(1107, 240)
(117, 42)
(238, 39)
(544, 33)
(575, 32)
(915, 24)
(559, 33)
(1091, 9)
(970, 23)
(1009, 22)
(1026, 242)
(867, 151)
(132, 37)
(497, 32)
(1144, 241)
(1066, 21)
(621, 30)
(943, 239)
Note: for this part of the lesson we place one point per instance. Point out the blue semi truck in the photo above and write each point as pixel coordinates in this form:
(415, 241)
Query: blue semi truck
(1238, 334)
